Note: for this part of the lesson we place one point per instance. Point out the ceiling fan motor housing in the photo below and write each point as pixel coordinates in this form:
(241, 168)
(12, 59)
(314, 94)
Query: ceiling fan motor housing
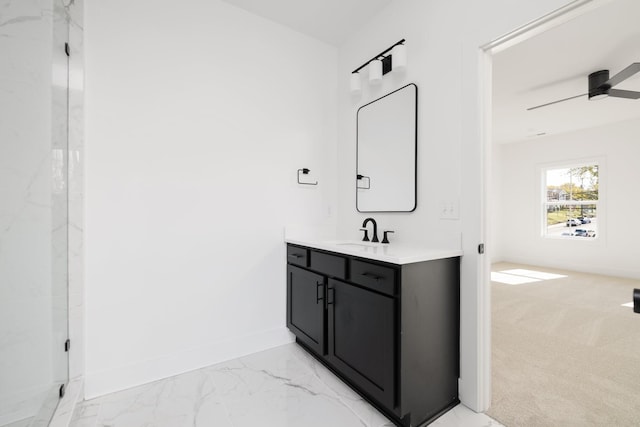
(601, 86)
(598, 85)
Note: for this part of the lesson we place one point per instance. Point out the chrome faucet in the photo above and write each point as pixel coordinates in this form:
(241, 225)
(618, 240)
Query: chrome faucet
(374, 239)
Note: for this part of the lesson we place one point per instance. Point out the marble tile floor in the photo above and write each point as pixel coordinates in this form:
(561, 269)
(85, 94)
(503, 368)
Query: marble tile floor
(280, 387)
(22, 423)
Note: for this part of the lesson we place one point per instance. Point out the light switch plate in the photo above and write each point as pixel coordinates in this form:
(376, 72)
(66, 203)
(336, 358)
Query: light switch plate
(449, 209)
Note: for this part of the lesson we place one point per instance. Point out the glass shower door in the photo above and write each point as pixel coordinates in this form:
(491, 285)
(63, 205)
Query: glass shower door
(33, 209)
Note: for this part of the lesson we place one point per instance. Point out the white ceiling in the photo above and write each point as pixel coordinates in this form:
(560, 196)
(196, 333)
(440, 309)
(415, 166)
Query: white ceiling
(555, 65)
(331, 21)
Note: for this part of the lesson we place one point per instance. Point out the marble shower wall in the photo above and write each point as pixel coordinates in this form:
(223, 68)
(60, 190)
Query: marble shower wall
(40, 201)
(25, 207)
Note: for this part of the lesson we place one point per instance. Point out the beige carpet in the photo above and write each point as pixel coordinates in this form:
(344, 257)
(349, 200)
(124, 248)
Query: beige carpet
(564, 351)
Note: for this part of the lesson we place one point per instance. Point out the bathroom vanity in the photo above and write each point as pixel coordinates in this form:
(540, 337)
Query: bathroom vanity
(384, 318)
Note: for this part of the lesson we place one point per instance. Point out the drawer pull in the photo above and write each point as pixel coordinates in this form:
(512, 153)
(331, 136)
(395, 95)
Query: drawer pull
(296, 256)
(333, 296)
(319, 285)
(372, 276)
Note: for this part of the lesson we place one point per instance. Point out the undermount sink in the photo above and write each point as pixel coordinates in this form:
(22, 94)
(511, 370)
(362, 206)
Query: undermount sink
(357, 244)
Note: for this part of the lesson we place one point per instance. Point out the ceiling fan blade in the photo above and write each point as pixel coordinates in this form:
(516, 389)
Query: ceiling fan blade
(624, 74)
(629, 94)
(555, 102)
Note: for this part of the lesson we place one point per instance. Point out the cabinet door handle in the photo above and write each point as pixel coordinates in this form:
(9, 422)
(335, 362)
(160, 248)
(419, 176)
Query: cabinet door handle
(372, 276)
(318, 286)
(296, 256)
(333, 296)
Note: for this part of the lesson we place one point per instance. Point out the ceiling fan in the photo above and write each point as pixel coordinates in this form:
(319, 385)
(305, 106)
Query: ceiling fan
(601, 86)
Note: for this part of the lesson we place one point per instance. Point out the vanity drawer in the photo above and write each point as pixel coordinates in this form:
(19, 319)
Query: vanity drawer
(373, 276)
(297, 256)
(331, 265)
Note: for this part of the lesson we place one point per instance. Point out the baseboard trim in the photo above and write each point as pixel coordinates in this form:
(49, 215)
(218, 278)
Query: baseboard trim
(143, 372)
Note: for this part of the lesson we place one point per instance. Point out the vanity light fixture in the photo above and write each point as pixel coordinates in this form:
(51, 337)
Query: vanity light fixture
(375, 72)
(356, 83)
(399, 57)
(393, 58)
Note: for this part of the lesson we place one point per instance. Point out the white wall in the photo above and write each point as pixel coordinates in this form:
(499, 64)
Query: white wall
(438, 125)
(443, 42)
(615, 251)
(496, 211)
(198, 115)
(179, 99)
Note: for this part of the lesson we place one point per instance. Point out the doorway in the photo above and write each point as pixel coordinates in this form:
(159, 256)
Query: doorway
(557, 300)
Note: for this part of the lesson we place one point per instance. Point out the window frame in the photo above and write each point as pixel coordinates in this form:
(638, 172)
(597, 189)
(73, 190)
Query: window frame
(599, 204)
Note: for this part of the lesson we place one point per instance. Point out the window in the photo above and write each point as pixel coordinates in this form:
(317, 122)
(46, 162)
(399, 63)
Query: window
(570, 208)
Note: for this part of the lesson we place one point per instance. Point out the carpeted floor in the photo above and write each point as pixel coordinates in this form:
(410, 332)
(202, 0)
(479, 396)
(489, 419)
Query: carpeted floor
(564, 350)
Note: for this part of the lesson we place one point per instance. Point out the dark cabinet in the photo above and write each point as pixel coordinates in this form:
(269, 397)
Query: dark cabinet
(361, 338)
(389, 331)
(306, 314)
(297, 255)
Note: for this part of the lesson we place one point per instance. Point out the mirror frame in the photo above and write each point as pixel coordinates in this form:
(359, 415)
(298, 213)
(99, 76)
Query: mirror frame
(415, 176)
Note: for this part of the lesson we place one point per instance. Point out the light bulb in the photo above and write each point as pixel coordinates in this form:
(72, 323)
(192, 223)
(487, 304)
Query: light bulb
(399, 57)
(356, 83)
(375, 72)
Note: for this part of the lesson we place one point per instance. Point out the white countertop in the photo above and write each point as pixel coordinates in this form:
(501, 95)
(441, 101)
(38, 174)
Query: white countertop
(395, 253)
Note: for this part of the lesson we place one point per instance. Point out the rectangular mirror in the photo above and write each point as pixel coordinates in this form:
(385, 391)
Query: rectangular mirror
(387, 140)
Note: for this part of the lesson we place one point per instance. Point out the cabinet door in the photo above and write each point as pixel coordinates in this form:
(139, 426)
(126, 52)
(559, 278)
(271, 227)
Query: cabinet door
(362, 338)
(306, 314)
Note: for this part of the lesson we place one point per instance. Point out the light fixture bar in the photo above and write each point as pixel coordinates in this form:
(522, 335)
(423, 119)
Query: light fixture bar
(378, 56)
